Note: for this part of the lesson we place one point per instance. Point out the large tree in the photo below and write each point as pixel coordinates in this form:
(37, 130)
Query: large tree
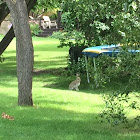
(24, 49)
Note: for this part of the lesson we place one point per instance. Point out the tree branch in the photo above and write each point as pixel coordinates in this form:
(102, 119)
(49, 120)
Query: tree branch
(10, 34)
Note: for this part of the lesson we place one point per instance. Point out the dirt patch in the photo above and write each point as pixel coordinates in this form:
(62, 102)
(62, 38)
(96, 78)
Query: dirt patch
(59, 71)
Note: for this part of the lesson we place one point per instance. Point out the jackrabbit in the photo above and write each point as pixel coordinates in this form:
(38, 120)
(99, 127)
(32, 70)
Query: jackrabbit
(75, 84)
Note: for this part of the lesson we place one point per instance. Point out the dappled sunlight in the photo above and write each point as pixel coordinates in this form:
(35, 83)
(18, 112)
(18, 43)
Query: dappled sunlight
(70, 100)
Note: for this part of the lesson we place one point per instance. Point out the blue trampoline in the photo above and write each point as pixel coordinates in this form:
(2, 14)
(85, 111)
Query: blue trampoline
(111, 50)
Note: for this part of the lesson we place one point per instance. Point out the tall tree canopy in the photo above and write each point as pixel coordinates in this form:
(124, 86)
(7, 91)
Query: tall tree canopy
(103, 21)
(43, 5)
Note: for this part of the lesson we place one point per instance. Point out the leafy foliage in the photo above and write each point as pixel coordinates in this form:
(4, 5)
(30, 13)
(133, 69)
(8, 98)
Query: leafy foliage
(103, 22)
(35, 29)
(124, 68)
(118, 105)
(43, 6)
(76, 67)
(72, 39)
(69, 39)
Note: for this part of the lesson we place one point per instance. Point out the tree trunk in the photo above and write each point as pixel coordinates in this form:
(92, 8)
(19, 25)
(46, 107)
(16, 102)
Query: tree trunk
(24, 50)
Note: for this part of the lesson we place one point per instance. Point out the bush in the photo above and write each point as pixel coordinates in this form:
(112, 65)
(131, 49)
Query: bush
(35, 29)
(70, 39)
(76, 67)
(76, 42)
(123, 68)
(119, 105)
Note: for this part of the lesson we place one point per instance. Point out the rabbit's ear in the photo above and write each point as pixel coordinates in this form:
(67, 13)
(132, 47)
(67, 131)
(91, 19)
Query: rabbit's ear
(77, 74)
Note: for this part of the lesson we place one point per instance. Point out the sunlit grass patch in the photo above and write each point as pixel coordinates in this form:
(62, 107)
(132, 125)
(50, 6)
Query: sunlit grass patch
(57, 114)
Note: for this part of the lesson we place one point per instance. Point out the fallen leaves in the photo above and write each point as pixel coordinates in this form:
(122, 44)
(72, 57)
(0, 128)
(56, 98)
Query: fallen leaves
(6, 116)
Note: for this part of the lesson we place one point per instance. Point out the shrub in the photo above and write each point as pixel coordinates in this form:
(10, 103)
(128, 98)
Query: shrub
(70, 39)
(76, 42)
(35, 29)
(119, 105)
(76, 67)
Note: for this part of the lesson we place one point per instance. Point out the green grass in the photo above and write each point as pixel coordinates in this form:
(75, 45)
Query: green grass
(58, 114)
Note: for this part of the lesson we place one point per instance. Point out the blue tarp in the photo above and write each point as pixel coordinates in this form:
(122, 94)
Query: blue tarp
(111, 50)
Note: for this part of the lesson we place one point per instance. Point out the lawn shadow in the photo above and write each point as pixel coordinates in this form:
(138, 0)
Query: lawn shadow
(59, 123)
(57, 79)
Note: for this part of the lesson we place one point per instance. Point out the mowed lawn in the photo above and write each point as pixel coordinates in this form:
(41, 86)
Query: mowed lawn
(57, 114)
